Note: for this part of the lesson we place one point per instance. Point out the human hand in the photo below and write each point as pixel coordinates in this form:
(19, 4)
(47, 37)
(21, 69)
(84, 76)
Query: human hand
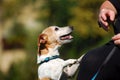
(104, 16)
(116, 39)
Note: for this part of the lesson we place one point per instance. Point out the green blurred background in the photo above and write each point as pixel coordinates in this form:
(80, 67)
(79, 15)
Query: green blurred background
(21, 21)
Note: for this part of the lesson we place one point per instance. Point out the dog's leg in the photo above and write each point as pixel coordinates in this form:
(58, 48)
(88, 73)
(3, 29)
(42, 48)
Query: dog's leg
(71, 69)
(69, 61)
(79, 59)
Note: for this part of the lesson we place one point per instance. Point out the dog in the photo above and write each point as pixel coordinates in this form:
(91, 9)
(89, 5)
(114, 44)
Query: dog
(51, 66)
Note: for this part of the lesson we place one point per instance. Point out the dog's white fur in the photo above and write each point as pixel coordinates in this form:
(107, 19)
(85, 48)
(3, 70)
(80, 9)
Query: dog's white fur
(48, 43)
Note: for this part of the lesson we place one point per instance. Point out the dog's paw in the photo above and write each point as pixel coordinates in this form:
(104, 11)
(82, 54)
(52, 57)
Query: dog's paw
(79, 59)
(71, 68)
(71, 61)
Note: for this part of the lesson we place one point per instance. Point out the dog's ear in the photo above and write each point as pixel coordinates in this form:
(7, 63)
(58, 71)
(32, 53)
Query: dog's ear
(42, 40)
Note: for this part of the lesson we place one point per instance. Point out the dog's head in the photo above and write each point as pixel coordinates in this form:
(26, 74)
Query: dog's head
(54, 36)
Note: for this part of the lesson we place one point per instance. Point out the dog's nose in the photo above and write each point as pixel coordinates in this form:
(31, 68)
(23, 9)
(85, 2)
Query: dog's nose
(71, 27)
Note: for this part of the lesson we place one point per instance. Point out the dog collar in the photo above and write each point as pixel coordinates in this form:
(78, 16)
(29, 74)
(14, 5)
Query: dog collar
(49, 58)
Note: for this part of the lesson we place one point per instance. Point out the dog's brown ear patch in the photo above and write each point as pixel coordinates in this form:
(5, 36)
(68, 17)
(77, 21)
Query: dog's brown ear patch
(42, 40)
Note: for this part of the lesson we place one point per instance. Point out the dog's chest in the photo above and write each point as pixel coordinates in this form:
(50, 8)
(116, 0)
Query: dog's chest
(52, 68)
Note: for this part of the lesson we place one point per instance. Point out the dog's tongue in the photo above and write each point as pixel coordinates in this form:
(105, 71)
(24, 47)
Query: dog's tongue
(66, 37)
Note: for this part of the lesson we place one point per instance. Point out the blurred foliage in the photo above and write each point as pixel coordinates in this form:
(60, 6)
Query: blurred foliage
(17, 37)
(27, 18)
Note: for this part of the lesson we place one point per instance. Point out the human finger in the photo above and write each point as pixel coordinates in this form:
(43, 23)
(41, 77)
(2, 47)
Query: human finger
(103, 17)
(116, 37)
(117, 42)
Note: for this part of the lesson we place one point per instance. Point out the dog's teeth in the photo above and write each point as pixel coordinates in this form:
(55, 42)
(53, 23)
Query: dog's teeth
(71, 37)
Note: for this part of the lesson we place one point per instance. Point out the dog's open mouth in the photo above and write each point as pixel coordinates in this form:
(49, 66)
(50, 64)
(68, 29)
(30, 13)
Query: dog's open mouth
(66, 37)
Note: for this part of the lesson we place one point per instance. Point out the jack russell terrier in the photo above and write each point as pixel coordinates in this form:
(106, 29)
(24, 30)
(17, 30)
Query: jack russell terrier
(51, 66)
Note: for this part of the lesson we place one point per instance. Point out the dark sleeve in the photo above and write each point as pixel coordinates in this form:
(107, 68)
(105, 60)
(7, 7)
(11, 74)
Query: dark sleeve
(116, 3)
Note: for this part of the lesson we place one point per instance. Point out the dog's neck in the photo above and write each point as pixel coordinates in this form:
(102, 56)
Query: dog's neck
(49, 52)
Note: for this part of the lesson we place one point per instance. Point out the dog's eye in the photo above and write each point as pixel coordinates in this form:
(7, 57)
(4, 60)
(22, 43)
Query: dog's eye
(56, 29)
